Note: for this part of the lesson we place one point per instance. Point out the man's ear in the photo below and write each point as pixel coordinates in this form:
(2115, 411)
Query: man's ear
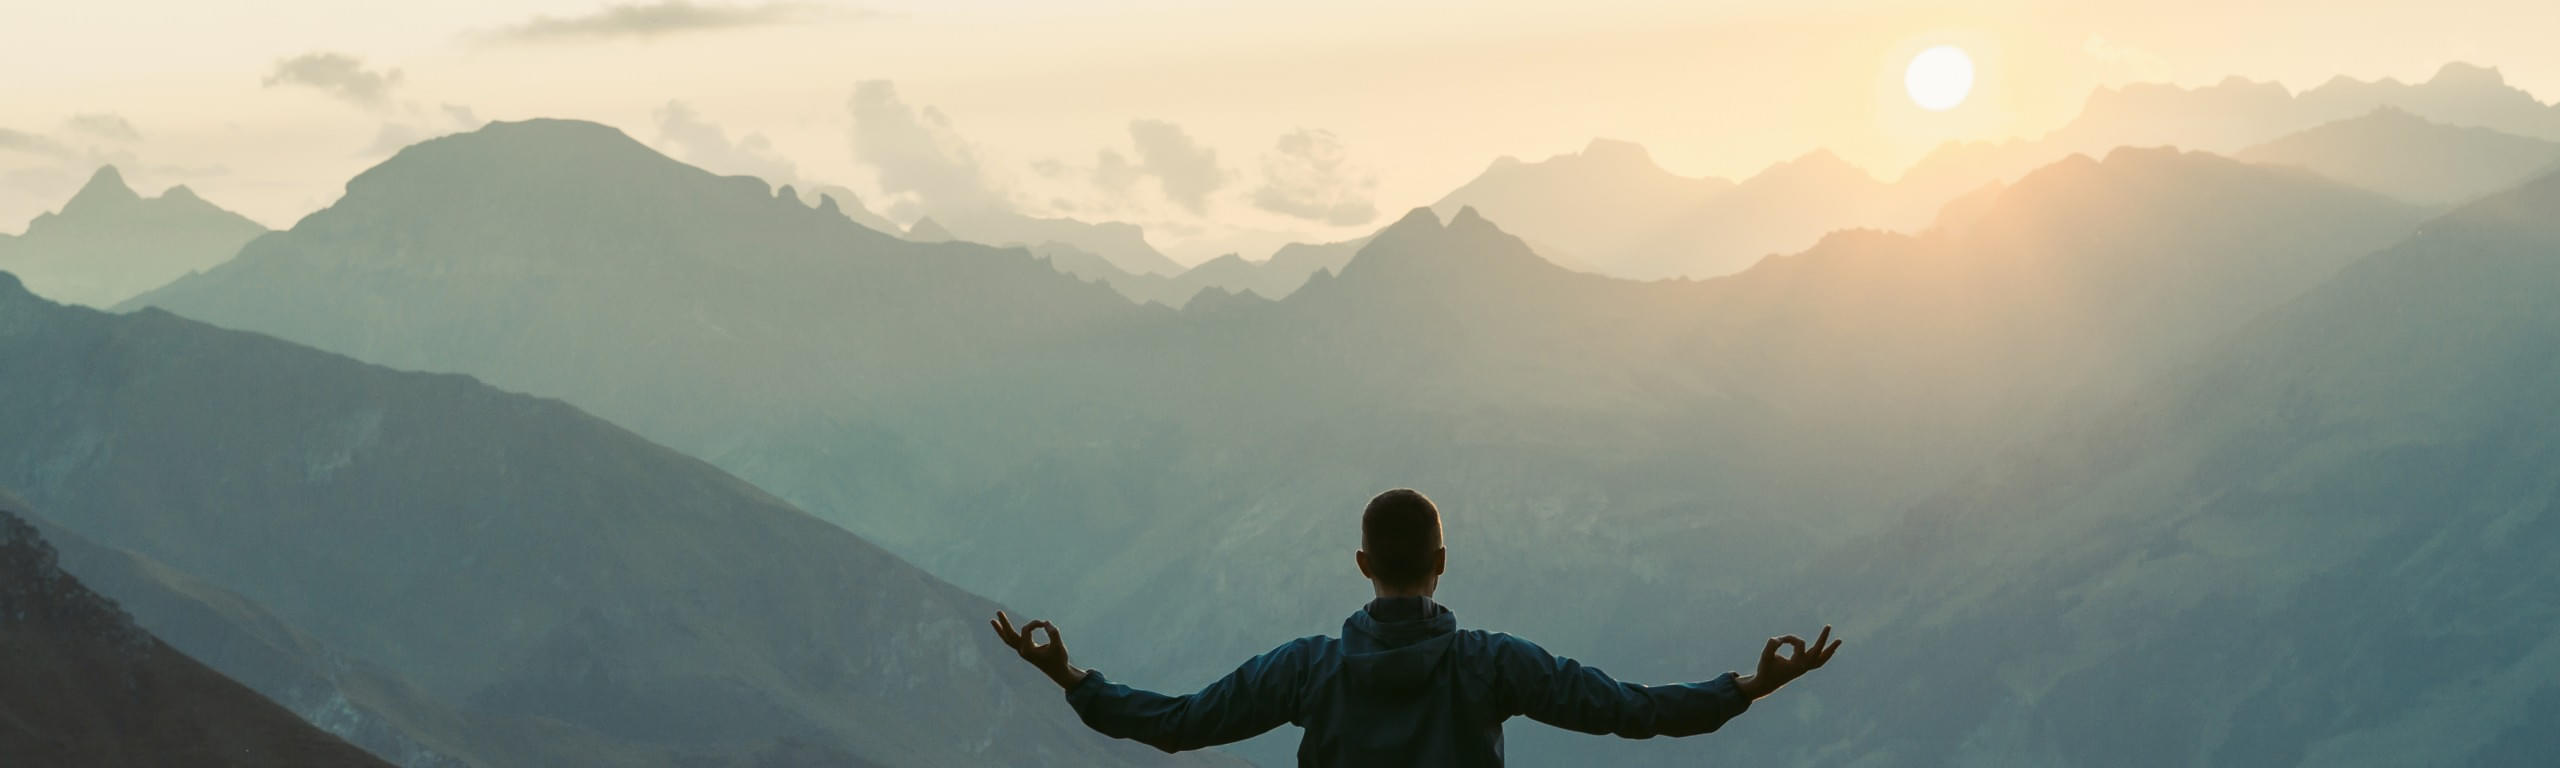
(1361, 556)
(1439, 561)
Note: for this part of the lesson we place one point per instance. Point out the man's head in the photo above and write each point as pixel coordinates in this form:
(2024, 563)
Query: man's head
(1400, 548)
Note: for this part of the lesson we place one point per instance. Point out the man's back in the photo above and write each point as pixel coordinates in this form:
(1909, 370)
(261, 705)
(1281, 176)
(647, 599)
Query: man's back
(1404, 686)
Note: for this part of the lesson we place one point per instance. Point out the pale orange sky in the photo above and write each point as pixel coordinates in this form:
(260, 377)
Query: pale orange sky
(1421, 95)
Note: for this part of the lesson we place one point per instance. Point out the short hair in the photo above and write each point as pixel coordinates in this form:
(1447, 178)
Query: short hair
(1400, 530)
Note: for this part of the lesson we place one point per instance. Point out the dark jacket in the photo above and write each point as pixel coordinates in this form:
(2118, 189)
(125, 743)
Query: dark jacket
(1403, 686)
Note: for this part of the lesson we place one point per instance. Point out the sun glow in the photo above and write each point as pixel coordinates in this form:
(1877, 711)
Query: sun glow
(1939, 78)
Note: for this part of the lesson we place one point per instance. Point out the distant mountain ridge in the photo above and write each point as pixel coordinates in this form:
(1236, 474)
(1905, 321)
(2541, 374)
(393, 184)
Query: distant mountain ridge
(108, 243)
(2237, 113)
(1610, 210)
(1288, 268)
(2412, 158)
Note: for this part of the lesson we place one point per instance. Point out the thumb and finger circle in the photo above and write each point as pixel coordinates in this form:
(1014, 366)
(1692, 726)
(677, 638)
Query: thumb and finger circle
(1030, 640)
(1796, 644)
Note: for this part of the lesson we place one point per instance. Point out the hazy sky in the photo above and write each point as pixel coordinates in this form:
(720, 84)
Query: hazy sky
(1209, 122)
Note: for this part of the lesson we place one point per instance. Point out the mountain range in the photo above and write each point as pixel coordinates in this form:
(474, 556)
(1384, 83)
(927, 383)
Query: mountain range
(2126, 456)
(1652, 445)
(1609, 209)
(1289, 267)
(109, 243)
(2412, 158)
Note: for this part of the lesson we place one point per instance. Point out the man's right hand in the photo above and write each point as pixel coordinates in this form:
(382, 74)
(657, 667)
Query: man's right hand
(1776, 671)
(1050, 658)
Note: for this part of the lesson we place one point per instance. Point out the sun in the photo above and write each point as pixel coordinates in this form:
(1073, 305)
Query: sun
(1939, 78)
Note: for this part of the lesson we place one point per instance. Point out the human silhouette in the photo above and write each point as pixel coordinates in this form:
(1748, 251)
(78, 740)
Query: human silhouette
(1403, 685)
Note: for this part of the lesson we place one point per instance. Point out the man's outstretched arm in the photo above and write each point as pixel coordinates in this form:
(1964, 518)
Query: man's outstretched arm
(1563, 693)
(1257, 697)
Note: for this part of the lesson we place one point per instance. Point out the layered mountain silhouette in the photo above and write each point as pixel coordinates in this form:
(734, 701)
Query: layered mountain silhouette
(2411, 158)
(1609, 209)
(2238, 113)
(2325, 544)
(108, 243)
(1122, 244)
(1617, 448)
(505, 558)
(81, 685)
(1288, 268)
(1585, 209)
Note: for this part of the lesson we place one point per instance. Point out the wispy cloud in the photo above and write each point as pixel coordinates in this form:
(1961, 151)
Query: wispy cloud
(1307, 175)
(918, 154)
(1188, 171)
(32, 143)
(105, 125)
(339, 75)
(665, 17)
(698, 141)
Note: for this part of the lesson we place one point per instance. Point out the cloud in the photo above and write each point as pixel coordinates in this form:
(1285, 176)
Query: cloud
(666, 17)
(339, 75)
(705, 144)
(917, 154)
(105, 125)
(33, 144)
(1115, 174)
(1307, 176)
(1187, 171)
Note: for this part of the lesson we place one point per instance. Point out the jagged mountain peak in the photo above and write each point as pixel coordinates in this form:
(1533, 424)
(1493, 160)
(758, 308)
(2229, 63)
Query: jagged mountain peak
(1618, 152)
(2467, 74)
(106, 188)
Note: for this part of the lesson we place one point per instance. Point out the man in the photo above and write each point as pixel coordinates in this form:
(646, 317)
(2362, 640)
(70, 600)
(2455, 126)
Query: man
(1403, 685)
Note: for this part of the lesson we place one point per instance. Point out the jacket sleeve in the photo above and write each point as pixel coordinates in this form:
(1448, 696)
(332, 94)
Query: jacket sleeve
(1259, 696)
(1563, 693)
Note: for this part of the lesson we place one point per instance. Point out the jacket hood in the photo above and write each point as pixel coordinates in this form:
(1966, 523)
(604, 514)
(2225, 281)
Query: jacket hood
(1401, 652)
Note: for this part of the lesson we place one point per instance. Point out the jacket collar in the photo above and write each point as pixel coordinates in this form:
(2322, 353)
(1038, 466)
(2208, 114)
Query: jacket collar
(1395, 622)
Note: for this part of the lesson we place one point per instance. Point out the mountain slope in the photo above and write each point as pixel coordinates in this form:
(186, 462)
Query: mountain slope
(348, 697)
(2410, 158)
(108, 244)
(80, 685)
(2327, 544)
(508, 555)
